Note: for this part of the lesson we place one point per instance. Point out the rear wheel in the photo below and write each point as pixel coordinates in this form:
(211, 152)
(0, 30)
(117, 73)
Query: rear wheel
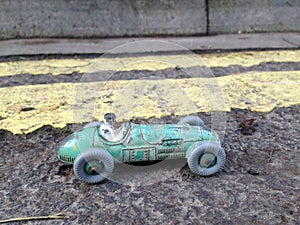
(92, 124)
(93, 165)
(206, 159)
(192, 120)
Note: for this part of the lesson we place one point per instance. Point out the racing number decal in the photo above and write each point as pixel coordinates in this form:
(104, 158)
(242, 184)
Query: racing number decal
(136, 155)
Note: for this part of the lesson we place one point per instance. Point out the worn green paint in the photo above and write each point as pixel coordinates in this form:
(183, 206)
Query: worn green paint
(144, 142)
(74, 144)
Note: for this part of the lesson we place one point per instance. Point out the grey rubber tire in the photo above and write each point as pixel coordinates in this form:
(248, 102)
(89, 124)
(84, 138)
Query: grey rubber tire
(93, 154)
(92, 124)
(198, 151)
(192, 120)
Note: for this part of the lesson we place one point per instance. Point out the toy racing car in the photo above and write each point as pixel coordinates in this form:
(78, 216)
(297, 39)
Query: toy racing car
(94, 149)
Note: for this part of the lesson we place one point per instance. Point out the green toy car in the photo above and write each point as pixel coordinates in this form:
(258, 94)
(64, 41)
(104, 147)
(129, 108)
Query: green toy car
(94, 149)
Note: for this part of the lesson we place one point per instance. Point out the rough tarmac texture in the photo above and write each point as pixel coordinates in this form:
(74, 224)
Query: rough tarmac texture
(260, 183)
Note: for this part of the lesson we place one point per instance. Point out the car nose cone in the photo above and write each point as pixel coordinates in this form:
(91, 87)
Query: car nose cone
(65, 143)
(67, 149)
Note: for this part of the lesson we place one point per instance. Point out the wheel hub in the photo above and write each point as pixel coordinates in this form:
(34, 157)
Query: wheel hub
(93, 167)
(207, 160)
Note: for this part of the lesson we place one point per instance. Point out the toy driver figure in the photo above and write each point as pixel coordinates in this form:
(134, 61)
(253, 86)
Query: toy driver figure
(107, 128)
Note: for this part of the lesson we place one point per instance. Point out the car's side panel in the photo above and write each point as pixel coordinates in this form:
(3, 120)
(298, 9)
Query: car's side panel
(139, 154)
(170, 152)
(145, 142)
(124, 151)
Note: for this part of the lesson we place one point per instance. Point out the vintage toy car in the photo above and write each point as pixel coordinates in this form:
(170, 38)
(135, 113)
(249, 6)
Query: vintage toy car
(94, 149)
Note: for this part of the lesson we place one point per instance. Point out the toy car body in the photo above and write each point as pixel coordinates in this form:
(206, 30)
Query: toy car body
(94, 149)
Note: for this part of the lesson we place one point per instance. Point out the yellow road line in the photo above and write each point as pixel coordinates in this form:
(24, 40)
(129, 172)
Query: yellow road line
(68, 66)
(59, 104)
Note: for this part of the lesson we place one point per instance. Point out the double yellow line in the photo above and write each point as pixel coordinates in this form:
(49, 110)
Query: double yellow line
(26, 108)
(160, 62)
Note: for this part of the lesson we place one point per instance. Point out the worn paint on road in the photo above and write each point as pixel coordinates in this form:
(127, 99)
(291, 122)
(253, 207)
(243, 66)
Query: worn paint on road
(27, 108)
(91, 65)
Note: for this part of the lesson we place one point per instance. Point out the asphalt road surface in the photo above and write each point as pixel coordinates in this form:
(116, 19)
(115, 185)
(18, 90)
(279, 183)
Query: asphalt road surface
(260, 183)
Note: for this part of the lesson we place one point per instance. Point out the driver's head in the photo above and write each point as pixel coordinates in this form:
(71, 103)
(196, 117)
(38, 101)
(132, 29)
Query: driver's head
(109, 117)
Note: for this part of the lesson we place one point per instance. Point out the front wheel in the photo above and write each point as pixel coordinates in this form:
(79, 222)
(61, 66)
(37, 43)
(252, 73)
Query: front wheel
(93, 165)
(206, 159)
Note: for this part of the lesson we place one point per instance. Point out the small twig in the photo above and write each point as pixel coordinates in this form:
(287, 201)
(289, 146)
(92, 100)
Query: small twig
(271, 154)
(242, 148)
(49, 217)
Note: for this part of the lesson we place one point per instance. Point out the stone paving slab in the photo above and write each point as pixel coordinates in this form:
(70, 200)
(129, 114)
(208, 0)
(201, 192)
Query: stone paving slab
(105, 45)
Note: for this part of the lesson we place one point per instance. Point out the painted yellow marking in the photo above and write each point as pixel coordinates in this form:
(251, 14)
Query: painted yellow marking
(59, 104)
(68, 66)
